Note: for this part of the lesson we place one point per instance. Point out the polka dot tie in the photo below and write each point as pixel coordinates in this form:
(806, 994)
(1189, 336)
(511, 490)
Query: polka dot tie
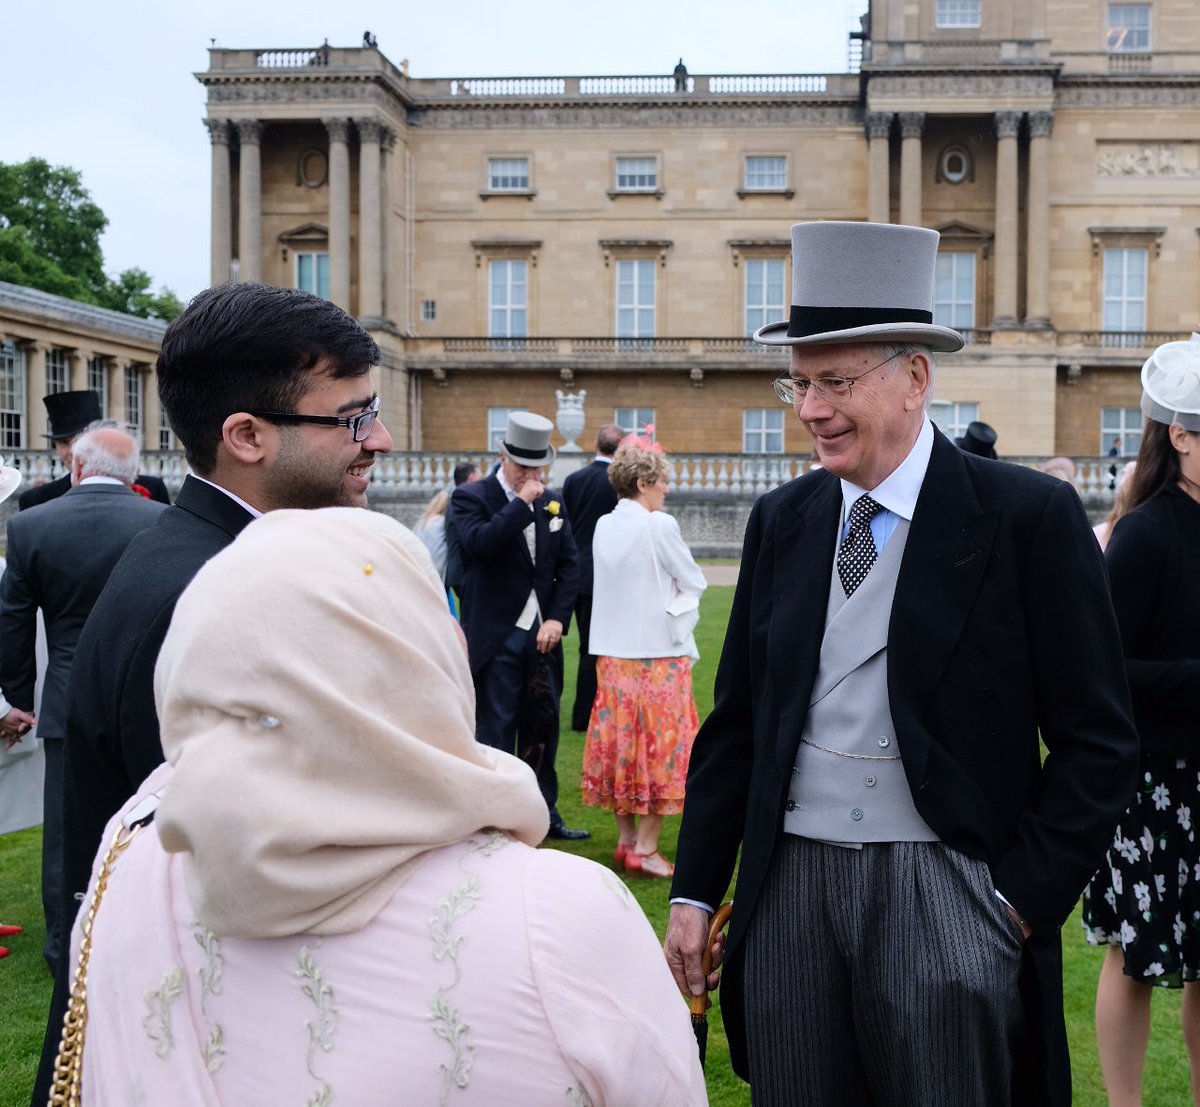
(857, 553)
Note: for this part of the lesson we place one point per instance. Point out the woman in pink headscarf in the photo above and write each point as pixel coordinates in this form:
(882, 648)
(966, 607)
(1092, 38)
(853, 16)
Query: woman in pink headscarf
(338, 900)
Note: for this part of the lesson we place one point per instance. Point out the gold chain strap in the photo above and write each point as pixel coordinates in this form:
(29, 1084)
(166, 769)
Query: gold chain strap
(68, 1067)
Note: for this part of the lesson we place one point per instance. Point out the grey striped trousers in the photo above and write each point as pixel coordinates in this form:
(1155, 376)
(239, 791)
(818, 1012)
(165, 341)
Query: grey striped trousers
(880, 976)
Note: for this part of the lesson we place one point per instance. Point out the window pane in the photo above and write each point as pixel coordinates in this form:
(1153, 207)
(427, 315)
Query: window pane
(507, 299)
(764, 292)
(954, 291)
(1129, 28)
(1124, 285)
(766, 173)
(635, 298)
(637, 173)
(957, 13)
(508, 174)
(12, 396)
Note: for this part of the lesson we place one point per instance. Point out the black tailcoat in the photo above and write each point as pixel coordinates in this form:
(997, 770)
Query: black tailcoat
(1001, 629)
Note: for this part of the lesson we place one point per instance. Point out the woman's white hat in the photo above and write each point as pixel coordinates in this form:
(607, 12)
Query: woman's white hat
(862, 282)
(10, 481)
(1171, 384)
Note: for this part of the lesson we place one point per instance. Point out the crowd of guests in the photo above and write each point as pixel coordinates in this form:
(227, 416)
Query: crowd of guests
(301, 775)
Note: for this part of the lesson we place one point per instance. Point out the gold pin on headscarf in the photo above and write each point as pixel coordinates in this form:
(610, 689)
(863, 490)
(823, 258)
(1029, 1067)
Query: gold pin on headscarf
(368, 568)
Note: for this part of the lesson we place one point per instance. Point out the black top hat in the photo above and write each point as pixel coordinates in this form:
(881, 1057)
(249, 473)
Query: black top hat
(980, 440)
(71, 412)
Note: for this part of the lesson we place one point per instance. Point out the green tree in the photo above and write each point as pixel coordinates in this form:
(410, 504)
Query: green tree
(50, 231)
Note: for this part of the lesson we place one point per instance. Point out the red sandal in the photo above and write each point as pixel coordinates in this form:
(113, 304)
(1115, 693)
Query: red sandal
(658, 865)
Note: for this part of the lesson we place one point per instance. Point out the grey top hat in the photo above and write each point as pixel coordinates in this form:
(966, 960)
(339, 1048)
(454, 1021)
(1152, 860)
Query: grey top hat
(527, 439)
(862, 282)
(1171, 384)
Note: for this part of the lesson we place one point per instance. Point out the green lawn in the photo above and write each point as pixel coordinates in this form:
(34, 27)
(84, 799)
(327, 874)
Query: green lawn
(25, 983)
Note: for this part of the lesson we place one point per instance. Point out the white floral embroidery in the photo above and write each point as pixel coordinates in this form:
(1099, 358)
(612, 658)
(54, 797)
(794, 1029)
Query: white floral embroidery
(210, 984)
(1127, 848)
(1141, 892)
(214, 1049)
(614, 884)
(322, 1029)
(496, 840)
(441, 926)
(448, 1025)
(577, 1097)
(157, 1022)
(1162, 797)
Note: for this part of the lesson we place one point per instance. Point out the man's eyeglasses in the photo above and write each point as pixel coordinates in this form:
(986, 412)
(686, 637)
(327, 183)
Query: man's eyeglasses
(360, 425)
(792, 390)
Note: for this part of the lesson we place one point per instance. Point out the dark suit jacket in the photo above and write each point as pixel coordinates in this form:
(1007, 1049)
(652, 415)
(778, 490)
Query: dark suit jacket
(112, 739)
(51, 490)
(499, 572)
(1001, 626)
(455, 558)
(588, 495)
(59, 557)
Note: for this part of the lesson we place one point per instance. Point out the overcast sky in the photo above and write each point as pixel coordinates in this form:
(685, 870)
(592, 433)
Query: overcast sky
(108, 87)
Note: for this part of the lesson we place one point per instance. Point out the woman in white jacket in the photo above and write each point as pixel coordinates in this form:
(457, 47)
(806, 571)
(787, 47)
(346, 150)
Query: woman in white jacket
(645, 605)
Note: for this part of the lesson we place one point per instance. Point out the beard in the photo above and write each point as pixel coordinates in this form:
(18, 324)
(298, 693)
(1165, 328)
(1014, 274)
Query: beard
(304, 478)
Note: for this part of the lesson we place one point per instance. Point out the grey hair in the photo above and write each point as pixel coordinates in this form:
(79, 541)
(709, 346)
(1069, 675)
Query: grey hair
(907, 349)
(99, 459)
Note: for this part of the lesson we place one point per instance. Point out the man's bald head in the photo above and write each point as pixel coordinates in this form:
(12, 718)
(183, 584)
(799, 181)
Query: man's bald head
(105, 452)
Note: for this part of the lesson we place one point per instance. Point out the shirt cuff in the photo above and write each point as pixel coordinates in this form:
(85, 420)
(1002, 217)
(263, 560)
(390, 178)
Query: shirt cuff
(693, 903)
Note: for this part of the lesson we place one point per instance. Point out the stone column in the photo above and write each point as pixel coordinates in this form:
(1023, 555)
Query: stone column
(879, 125)
(392, 247)
(912, 123)
(1037, 248)
(222, 200)
(77, 363)
(339, 211)
(250, 201)
(35, 389)
(1005, 306)
(151, 410)
(116, 390)
(370, 221)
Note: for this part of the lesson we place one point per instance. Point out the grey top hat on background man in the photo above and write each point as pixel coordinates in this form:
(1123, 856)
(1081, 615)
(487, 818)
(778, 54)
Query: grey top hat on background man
(71, 413)
(862, 282)
(527, 439)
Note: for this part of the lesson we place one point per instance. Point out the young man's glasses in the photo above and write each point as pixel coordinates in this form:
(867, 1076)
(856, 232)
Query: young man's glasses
(360, 425)
(792, 390)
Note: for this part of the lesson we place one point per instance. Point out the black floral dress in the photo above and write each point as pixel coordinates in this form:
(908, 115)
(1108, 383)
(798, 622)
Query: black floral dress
(1146, 896)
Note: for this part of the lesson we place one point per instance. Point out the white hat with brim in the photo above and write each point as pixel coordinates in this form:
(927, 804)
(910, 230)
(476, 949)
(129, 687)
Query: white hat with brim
(1171, 384)
(862, 282)
(527, 439)
(10, 481)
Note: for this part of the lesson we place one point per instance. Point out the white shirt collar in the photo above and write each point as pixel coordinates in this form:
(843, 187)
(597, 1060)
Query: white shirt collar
(504, 484)
(605, 458)
(98, 479)
(236, 499)
(898, 491)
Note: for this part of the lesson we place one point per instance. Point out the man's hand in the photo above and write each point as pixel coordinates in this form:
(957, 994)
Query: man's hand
(16, 724)
(530, 490)
(687, 931)
(549, 635)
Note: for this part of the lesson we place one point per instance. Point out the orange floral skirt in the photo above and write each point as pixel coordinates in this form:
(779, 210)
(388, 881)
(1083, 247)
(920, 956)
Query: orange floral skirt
(639, 738)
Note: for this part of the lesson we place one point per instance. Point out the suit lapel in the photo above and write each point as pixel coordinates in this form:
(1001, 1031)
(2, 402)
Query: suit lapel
(804, 541)
(949, 549)
(497, 500)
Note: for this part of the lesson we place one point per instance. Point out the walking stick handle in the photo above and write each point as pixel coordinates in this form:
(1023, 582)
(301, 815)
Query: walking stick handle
(701, 1003)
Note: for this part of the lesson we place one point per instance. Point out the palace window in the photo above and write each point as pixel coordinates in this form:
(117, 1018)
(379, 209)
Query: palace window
(766, 174)
(428, 310)
(952, 416)
(166, 440)
(635, 297)
(133, 399)
(1124, 295)
(497, 424)
(637, 174)
(954, 291)
(635, 420)
(765, 301)
(508, 174)
(12, 396)
(57, 371)
(97, 381)
(957, 13)
(312, 273)
(508, 298)
(762, 430)
(1129, 28)
(1120, 427)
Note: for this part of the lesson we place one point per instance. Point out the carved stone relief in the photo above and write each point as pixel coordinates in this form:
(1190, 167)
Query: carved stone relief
(1148, 159)
(641, 115)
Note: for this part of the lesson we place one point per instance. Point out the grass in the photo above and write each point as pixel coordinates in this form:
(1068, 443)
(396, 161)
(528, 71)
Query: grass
(25, 982)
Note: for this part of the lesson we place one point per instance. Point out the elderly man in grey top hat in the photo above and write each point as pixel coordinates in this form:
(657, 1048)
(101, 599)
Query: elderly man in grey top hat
(520, 576)
(908, 620)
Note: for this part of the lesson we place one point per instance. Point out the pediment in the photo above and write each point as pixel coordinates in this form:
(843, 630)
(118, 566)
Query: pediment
(305, 234)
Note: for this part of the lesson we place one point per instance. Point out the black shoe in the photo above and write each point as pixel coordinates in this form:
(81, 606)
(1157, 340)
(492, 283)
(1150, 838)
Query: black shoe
(564, 833)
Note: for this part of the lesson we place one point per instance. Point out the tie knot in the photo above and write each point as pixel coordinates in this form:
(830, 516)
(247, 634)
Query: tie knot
(863, 511)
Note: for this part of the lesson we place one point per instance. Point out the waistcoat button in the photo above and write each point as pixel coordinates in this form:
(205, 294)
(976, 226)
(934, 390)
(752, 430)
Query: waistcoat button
(856, 814)
(884, 741)
(791, 805)
(870, 782)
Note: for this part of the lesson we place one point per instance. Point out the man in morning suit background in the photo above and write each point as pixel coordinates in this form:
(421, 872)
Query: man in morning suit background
(60, 555)
(68, 415)
(588, 495)
(520, 575)
(269, 390)
(906, 620)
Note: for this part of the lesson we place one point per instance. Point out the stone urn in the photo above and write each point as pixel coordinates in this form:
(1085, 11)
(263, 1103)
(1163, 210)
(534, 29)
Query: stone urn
(570, 419)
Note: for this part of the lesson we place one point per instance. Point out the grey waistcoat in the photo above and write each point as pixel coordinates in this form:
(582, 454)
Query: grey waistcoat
(848, 783)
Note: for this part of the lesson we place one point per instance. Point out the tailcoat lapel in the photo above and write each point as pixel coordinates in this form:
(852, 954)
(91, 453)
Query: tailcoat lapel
(949, 548)
(805, 536)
